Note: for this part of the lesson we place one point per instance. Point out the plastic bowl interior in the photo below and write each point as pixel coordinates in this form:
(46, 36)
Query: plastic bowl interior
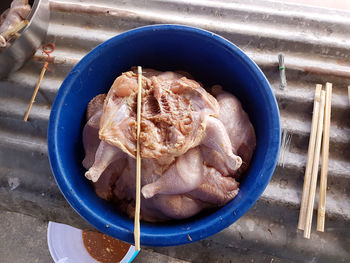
(210, 59)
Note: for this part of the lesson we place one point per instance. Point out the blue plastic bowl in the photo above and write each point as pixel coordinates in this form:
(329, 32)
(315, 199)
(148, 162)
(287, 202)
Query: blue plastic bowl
(211, 59)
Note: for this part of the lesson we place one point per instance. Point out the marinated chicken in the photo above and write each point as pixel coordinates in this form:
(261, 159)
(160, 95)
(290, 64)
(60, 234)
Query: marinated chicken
(18, 11)
(193, 145)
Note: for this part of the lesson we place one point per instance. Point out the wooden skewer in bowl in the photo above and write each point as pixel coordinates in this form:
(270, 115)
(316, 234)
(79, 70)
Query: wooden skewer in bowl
(349, 92)
(325, 152)
(313, 183)
(138, 163)
(310, 158)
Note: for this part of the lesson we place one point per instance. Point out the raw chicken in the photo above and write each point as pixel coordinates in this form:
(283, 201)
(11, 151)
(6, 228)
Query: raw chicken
(191, 145)
(215, 189)
(161, 206)
(90, 132)
(177, 115)
(18, 11)
(93, 146)
(238, 126)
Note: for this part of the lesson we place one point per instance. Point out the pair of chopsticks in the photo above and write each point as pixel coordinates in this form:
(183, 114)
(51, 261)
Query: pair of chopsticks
(320, 123)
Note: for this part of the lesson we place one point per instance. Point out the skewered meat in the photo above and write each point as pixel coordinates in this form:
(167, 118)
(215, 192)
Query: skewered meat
(191, 145)
(18, 11)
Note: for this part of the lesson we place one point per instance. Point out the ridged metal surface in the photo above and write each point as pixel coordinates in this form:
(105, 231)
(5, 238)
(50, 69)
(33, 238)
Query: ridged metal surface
(316, 45)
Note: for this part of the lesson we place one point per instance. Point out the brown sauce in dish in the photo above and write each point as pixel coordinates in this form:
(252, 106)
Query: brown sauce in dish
(103, 248)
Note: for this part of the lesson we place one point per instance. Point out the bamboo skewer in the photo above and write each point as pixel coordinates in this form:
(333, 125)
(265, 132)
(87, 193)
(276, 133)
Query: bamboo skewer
(35, 91)
(310, 156)
(313, 183)
(47, 49)
(138, 164)
(325, 153)
(349, 92)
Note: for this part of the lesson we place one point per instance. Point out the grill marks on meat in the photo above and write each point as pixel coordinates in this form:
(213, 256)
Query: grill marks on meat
(189, 145)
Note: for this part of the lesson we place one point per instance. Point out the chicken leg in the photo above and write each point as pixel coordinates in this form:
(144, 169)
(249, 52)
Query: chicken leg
(105, 155)
(215, 188)
(183, 176)
(217, 139)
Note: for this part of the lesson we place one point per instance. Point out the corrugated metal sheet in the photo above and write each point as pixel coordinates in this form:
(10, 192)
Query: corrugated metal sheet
(316, 45)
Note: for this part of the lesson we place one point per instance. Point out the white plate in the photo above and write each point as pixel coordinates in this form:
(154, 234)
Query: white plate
(66, 245)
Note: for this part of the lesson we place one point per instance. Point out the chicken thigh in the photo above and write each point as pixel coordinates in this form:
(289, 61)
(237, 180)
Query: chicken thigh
(183, 176)
(215, 189)
(238, 126)
(160, 206)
